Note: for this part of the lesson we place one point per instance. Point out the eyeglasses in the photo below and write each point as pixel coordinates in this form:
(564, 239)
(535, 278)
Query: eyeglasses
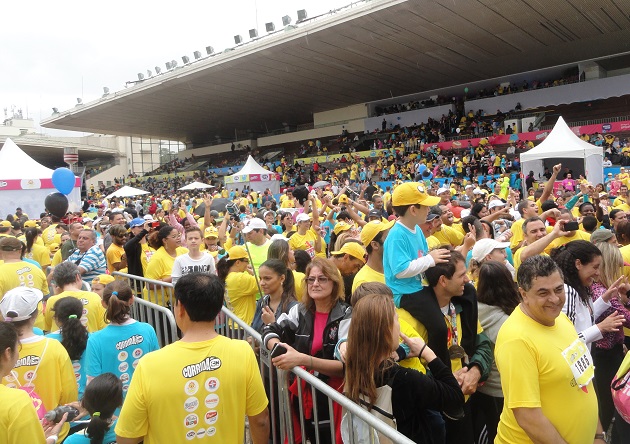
(321, 279)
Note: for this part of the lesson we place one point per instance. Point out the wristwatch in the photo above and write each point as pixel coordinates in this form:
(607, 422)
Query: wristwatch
(601, 436)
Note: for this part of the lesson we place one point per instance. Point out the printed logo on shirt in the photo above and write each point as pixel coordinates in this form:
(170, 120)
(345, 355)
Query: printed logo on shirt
(211, 431)
(137, 353)
(190, 435)
(85, 301)
(26, 361)
(191, 421)
(124, 378)
(191, 387)
(201, 433)
(207, 365)
(122, 356)
(30, 376)
(212, 400)
(212, 384)
(123, 367)
(133, 340)
(212, 416)
(76, 366)
(191, 404)
(135, 363)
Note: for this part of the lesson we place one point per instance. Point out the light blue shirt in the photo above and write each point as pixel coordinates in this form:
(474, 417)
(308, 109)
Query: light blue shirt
(401, 247)
(118, 348)
(78, 365)
(81, 436)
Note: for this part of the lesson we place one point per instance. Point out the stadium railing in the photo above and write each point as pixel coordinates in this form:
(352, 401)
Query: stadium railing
(278, 383)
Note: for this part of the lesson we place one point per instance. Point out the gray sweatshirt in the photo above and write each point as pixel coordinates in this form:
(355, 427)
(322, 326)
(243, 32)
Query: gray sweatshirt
(491, 319)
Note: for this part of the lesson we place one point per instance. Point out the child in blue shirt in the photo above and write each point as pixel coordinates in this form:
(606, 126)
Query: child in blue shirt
(406, 253)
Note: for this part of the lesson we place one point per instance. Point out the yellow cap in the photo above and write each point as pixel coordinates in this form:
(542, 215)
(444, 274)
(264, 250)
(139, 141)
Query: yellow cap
(354, 249)
(31, 224)
(341, 226)
(103, 279)
(5, 224)
(343, 199)
(371, 229)
(237, 252)
(413, 193)
(211, 232)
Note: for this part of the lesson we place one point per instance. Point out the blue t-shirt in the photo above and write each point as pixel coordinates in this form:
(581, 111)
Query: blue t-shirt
(81, 436)
(118, 348)
(78, 365)
(401, 247)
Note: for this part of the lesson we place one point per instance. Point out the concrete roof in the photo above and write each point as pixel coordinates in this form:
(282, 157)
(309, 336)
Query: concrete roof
(383, 49)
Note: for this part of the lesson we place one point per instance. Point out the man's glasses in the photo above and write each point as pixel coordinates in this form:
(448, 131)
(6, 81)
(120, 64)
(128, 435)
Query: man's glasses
(321, 279)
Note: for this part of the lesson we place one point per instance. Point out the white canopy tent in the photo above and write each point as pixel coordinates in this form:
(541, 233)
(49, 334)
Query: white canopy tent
(255, 177)
(197, 186)
(562, 145)
(127, 191)
(25, 183)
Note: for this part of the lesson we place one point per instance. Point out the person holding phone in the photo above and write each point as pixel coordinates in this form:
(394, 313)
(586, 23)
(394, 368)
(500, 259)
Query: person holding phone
(315, 324)
(572, 231)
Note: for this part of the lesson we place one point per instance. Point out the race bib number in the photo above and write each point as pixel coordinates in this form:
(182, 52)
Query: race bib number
(579, 359)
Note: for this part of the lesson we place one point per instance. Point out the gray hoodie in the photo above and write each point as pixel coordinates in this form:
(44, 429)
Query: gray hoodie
(491, 319)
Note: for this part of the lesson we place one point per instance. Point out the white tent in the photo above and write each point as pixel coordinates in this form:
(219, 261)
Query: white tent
(127, 191)
(25, 183)
(253, 176)
(562, 145)
(197, 186)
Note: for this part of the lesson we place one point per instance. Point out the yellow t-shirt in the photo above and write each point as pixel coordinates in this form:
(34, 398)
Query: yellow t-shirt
(93, 311)
(287, 203)
(367, 274)
(241, 293)
(579, 235)
(18, 420)
(299, 284)
(53, 380)
(517, 258)
(433, 242)
(57, 258)
(449, 236)
(160, 267)
(145, 256)
(113, 256)
(517, 233)
(304, 242)
(414, 363)
(212, 386)
(39, 254)
(21, 274)
(534, 374)
(49, 234)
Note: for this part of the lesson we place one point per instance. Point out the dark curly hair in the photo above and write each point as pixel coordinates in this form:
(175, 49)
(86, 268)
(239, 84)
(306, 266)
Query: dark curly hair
(566, 255)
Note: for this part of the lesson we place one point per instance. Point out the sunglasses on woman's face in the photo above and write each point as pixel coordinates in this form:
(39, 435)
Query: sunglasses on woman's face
(321, 279)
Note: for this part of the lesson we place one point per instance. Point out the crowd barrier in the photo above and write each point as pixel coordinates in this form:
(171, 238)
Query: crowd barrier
(278, 383)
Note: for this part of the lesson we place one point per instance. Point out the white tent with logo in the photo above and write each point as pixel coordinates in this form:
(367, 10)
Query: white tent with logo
(253, 176)
(25, 183)
(562, 145)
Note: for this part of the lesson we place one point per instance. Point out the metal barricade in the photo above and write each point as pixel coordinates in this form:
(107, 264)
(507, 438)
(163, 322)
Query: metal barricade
(281, 417)
(160, 317)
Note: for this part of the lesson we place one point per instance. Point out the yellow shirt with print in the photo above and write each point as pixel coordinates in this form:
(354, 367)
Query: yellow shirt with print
(449, 236)
(304, 242)
(18, 418)
(367, 274)
(21, 274)
(212, 384)
(39, 254)
(113, 256)
(48, 235)
(54, 379)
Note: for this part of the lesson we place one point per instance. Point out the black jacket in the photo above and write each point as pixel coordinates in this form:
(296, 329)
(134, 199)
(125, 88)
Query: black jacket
(133, 251)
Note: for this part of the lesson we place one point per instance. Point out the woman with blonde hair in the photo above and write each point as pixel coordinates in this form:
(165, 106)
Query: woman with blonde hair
(373, 335)
(315, 326)
(608, 352)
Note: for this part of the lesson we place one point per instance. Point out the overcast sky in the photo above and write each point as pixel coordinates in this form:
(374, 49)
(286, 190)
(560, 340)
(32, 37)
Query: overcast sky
(54, 52)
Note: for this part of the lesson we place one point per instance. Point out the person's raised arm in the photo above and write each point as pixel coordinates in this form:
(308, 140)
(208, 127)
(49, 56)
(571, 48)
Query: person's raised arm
(549, 185)
(542, 243)
(355, 217)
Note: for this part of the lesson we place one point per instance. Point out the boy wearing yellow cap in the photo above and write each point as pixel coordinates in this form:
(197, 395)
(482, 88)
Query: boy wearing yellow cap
(406, 252)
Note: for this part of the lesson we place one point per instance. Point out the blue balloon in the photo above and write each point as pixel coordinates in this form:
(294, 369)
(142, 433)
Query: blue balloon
(63, 179)
(421, 168)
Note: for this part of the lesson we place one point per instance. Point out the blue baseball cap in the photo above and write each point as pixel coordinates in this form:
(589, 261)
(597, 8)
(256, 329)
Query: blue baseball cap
(137, 222)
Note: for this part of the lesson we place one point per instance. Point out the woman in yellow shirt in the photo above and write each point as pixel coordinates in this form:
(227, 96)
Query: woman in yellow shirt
(34, 251)
(167, 243)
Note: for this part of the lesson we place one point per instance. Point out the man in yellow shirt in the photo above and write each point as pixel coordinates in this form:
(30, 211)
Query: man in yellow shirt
(201, 368)
(537, 239)
(373, 235)
(572, 235)
(445, 229)
(546, 374)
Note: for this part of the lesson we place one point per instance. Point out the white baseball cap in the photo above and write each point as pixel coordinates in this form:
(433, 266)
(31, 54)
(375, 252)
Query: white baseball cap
(20, 303)
(302, 217)
(495, 203)
(443, 190)
(254, 224)
(484, 247)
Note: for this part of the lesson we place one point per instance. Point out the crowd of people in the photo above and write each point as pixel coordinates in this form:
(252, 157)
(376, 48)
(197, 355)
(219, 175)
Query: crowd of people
(425, 287)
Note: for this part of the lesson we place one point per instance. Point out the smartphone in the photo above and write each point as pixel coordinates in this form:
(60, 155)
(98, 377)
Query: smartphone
(278, 350)
(571, 226)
